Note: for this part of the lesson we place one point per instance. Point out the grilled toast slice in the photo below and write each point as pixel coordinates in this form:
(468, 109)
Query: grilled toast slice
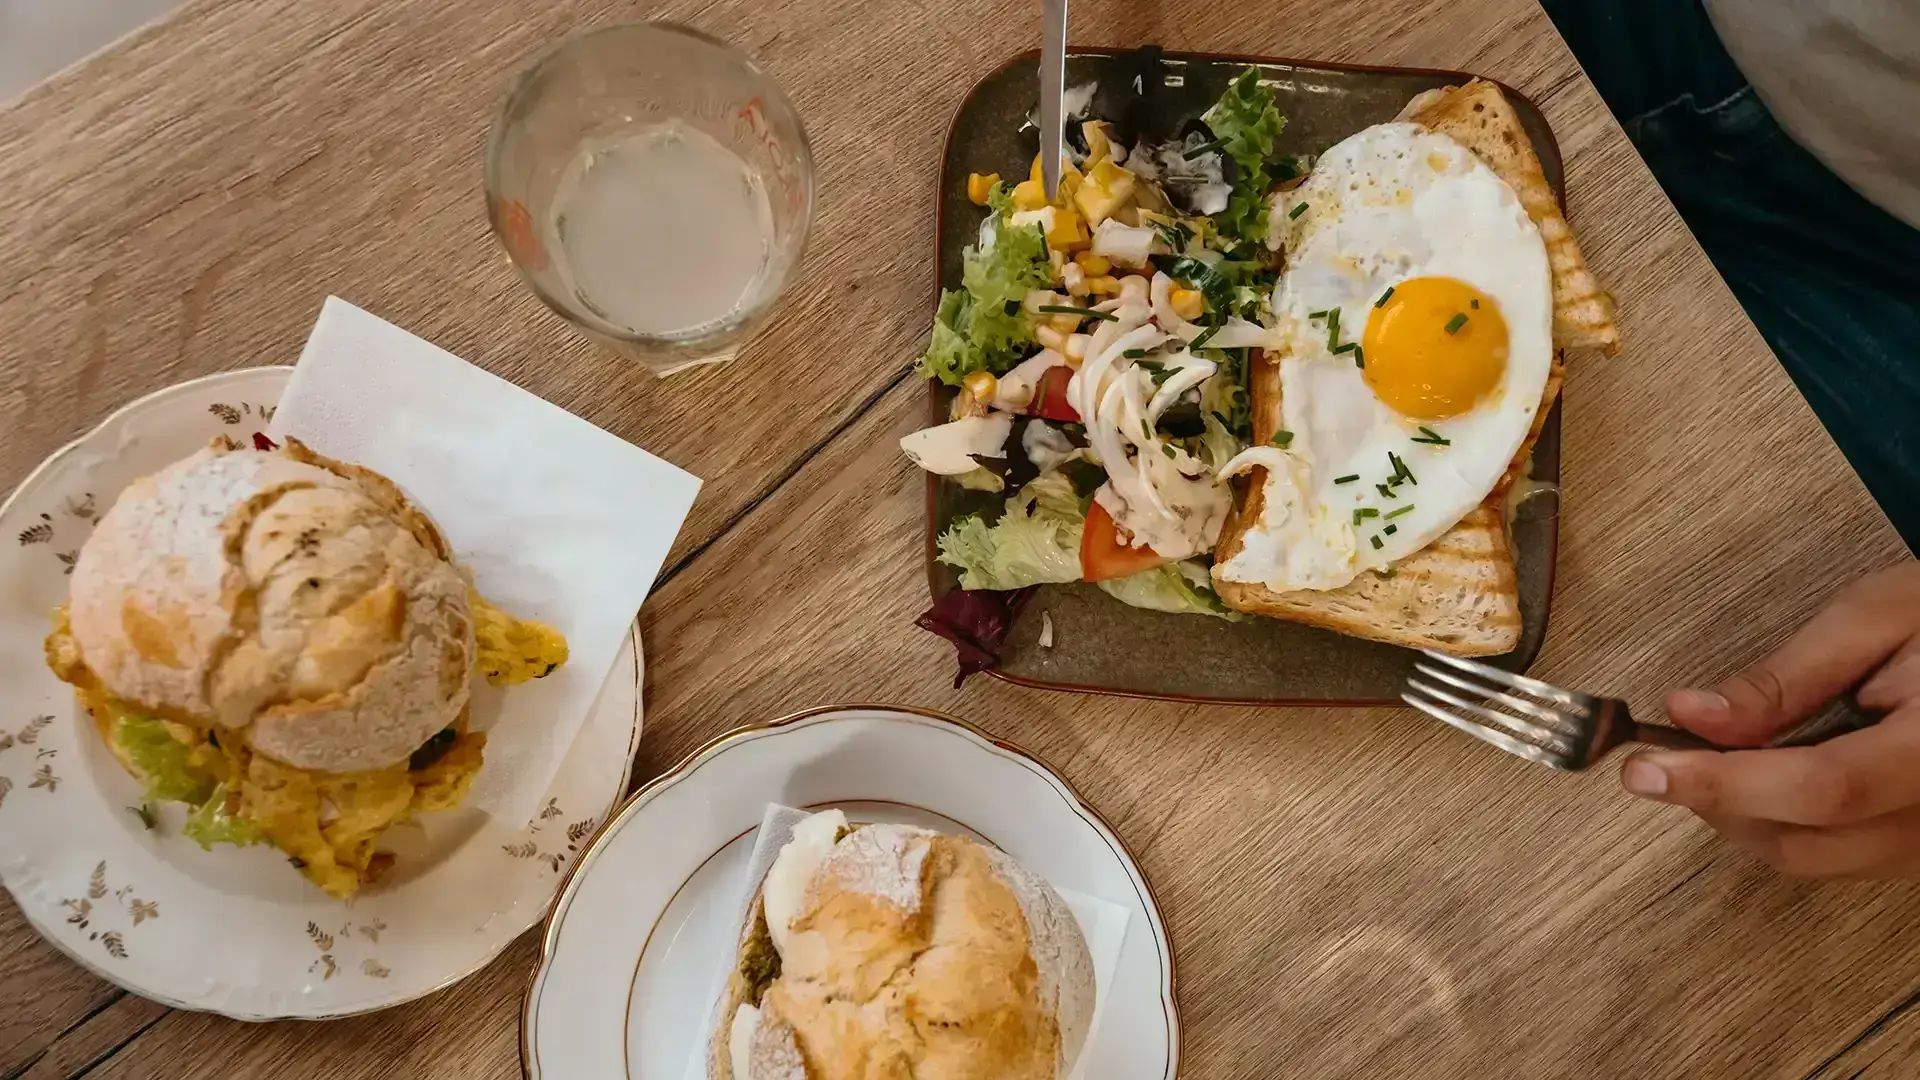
(1459, 594)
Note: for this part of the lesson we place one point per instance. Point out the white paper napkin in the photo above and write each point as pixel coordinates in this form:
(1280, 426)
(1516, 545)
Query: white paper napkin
(1103, 924)
(557, 519)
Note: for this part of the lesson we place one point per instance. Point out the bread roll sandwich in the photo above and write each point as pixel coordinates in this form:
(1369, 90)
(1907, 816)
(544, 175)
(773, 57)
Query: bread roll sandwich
(893, 951)
(283, 643)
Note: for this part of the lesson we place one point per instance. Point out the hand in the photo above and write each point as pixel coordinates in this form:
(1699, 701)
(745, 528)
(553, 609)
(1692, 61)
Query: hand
(1849, 807)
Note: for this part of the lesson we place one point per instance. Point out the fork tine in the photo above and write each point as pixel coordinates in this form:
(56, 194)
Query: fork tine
(1485, 734)
(1545, 691)
(1560, 723)
(1556, 743)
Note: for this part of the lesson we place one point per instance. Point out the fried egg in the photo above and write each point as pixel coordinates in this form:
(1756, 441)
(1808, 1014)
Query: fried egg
(1417, 311)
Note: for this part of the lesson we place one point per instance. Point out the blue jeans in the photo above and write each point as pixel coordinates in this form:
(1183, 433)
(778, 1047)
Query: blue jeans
(1831, 280)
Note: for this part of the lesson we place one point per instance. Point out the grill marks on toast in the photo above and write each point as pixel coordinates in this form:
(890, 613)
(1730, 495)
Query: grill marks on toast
(1461, 593)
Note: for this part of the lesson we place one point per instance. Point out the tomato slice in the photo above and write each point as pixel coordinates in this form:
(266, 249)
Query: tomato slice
(1050, 397)
(1103, 555)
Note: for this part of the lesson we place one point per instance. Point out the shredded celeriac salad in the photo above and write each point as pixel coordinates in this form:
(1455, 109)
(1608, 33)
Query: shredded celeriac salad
(1099, 345)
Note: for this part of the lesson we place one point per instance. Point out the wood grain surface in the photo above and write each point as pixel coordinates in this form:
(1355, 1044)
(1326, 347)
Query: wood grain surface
(1350, 893)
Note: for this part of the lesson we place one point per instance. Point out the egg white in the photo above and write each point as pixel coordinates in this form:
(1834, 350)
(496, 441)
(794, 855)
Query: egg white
(1390, 203)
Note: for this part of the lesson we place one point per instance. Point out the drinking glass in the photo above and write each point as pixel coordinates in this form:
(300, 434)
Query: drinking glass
(653, 187)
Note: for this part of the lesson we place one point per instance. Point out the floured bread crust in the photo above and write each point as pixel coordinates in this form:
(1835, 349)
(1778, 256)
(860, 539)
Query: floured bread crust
(297, 600)
(924, 955)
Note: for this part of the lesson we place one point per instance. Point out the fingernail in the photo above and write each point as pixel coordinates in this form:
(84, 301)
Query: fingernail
(1700, 701)
(1644, 778)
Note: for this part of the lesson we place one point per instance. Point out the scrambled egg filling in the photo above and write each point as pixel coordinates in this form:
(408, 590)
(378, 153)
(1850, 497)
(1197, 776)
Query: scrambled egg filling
(326, 823)
(511, 651)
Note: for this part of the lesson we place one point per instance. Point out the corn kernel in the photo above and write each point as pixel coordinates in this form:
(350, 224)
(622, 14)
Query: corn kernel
(1076, 349)
(1094, 265)
(1104, 285)
(1029, 195)
(1066, 324)
(1068, 230)
(1075, 279)
(1070, 180)
(981, 384)
(1046, 335)
(979, 187)
(1188, 303)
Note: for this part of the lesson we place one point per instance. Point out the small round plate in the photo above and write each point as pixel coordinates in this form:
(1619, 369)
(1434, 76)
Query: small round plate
(111, 883)
(643, 933)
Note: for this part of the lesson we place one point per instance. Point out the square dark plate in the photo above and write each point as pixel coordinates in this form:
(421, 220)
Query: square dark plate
(1099, 644)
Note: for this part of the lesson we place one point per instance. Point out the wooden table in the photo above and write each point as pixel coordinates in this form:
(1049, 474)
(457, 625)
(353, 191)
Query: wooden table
(1351, 893)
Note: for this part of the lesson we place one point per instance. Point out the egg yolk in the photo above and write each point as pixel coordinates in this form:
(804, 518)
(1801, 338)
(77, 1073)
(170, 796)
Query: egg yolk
(1434, 348)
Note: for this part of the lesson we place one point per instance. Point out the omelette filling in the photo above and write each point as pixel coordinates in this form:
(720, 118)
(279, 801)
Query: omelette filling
(328, 824)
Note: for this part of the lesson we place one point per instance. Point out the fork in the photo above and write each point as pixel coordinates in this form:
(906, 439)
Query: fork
(1053, 85)
(1568, 729)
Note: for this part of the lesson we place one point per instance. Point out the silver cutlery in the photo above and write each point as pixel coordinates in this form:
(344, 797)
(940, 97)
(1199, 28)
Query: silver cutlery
(1568, 729)
(1053, 86)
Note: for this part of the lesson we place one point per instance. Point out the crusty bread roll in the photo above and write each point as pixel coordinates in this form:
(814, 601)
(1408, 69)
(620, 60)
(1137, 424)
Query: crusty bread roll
(910, 953)
(292, 597)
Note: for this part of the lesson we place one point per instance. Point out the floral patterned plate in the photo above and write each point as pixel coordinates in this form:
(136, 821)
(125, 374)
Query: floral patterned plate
(109, 880)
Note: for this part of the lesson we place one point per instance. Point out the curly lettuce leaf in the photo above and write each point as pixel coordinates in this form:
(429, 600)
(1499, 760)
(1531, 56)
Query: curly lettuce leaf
(1036, 542)
(163, 761)
(981, 326)
(1248, 124)
(1181, 588)
(210, 824)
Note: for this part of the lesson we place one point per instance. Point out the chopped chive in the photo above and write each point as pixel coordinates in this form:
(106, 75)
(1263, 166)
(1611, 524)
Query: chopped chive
(1204, 148)
(1384, 297)
(1474, 304)
(1298, 209)
(1347, 479)
(1133, 354)
(1333, 321)
(1453, 325)
(1344, 348)
(1170, 454)
(1359, 357)
(1205, 336)
(1222, 419)
(1283, 439)
(1085, 313)
(1385, 491)
(1391, 529)
(1398, 512)
(1377, 545)
(1400, 470)
(1364, 513)
(1318, 314)
(1428, 435)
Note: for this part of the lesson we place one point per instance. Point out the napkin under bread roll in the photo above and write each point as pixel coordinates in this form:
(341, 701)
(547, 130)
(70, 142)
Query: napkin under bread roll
(913, 953)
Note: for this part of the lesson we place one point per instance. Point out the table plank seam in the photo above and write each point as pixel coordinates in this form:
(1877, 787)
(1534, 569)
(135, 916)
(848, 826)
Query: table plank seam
(82, 1021)
(119, 1046)
(1676, 887)
(1872, 1029)
(800, 461)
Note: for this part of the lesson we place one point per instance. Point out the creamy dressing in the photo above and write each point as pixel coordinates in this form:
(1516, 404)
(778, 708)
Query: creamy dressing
(661, 230)
(1159, 495)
